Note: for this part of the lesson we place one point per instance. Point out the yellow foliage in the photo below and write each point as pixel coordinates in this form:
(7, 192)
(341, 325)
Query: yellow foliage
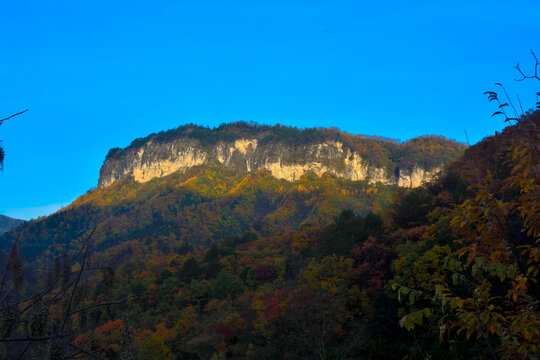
(234, 320)
(328, 275)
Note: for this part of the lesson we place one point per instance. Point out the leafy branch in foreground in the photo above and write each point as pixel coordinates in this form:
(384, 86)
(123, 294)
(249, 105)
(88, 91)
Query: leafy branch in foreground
(507, 101)
(486, 284)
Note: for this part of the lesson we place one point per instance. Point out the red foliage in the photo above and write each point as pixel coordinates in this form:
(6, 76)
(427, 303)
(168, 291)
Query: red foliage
(108, 328)
(275, 306)
(82, 341)
(373, 265)
(264, 272)
(225, 331)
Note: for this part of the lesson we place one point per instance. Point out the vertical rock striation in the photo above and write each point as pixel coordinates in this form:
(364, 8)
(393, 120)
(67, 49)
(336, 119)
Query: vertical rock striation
(285, 161)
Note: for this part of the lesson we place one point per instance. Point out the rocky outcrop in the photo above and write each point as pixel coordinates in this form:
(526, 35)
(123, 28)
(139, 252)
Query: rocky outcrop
(284, 161)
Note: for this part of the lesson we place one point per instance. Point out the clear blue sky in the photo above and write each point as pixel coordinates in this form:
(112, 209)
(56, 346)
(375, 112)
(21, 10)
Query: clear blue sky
(97, 74)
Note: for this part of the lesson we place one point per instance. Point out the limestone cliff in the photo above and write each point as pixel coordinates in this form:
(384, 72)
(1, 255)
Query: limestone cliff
(156, 157)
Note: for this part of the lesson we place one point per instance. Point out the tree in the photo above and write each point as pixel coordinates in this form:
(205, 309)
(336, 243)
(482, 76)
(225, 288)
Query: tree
(487, 283)
(46, 321)
(227, 284)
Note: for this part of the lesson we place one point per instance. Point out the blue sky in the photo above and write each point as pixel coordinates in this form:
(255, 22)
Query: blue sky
(97, 74)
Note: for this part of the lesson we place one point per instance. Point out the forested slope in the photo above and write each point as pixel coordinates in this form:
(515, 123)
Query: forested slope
(198, 207)
(448, 271)
(252, 267)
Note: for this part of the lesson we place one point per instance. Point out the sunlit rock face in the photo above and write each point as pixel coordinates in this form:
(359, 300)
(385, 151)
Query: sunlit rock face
(284, 161)
(152, 160)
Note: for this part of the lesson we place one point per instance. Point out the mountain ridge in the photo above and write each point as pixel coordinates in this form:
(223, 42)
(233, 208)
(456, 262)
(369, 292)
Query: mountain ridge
(286, 152)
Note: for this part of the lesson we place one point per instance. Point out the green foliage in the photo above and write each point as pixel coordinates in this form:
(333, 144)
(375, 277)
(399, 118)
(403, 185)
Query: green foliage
(114, 153)
(473, 271)
(227, 285)
(137, 287)
(349, 230)
(224, 265)
(412, 209)
(190, 270)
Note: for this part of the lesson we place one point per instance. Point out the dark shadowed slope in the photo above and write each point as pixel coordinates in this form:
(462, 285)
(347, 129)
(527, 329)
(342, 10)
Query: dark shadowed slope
(7, 223)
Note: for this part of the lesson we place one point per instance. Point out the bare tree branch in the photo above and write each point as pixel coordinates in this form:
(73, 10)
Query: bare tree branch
(27, 338)
(85, 352)
(83, 263)
(9, 117)
(523, 75)
(98, 305)
(7, 262)
(24, 351)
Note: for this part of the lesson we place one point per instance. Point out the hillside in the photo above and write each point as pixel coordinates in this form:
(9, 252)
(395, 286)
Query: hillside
(218, 196)
(197, 207)
(211, 262)
(425, 279)
(7, 223)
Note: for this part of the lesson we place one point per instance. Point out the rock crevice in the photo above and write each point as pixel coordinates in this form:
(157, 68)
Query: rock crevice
(284, 161)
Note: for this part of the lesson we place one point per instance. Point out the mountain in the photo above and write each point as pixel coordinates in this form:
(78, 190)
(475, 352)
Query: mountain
(213, 262)
(194, 186)
(7, 223)
(287, 153)
(455, 260)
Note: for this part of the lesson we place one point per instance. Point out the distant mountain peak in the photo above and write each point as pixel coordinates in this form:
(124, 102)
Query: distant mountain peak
(7, 223)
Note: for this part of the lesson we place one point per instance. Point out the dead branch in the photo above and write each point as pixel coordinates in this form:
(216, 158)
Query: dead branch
(523, 75)
(83, 263)
(9, 117)
(98, 305)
